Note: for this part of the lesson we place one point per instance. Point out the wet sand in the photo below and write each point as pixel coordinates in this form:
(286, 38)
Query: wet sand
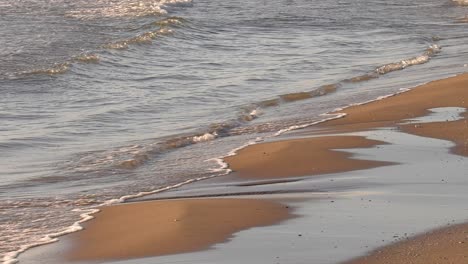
(456, 131)
(167, 227)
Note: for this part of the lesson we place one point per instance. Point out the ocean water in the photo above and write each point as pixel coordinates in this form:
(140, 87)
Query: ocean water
(104, 100)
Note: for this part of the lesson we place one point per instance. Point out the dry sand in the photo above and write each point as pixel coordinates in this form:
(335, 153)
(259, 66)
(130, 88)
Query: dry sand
(301, 157)
(449, 245)
(168, 227)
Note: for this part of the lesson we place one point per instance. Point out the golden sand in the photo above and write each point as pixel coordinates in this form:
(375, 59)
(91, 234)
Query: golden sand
(301, 157)
(168, 227)
(451, 92)
(449, 245)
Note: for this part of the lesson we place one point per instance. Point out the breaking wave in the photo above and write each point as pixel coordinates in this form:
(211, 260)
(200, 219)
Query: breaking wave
(58, 68)
(61, 68)
(425, 57)
(421, 59)
(463, 19)
(170, 21)
(87, 58)
(144, 38)
(148, 36)
(124, 8)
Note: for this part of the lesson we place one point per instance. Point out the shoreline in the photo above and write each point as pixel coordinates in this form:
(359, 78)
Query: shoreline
(391, 110)
(363, 117)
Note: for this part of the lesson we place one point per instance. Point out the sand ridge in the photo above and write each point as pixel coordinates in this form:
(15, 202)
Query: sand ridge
(301, 157)
(449, 245)
(153, 228)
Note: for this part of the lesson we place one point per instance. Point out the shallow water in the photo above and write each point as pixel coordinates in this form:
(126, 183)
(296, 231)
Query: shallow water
(102, 99)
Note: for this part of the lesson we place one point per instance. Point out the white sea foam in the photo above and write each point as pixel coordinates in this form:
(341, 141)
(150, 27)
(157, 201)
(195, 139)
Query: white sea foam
(87, 215)
(421, 59)
(250, 115)
(223, 166)
(204, 137)
(12, 257)
(255, 113)
(401, 90)
(296, 127)
(125, 8)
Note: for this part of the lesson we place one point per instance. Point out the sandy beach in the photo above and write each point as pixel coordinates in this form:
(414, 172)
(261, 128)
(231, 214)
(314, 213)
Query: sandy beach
(166, 227)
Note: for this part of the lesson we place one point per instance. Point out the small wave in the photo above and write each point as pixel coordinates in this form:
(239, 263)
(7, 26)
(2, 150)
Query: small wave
(125, 8)
(460, 2)
(421, 59)
(362, 78)
(87, 58)
(463, 19)
(59, 68)
(204, 137)
(326, 89)
(250, 115)
(170, 21)
(144, 38)
(116, 45)
(132, 157)
(138, 160)
(295, 96)
(269, 103)
(323, 90)
(63, 67)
